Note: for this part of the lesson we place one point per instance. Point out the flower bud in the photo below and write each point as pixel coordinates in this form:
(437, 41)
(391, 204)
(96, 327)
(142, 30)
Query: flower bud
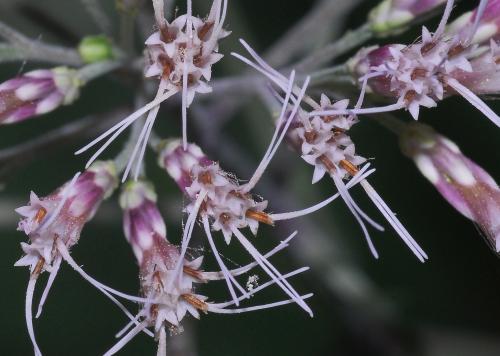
(36, 93)
(370, 57)
(95, 49)
(489, 24)
(464, 184)
(391, 15)
(179, 162)
(143, 224)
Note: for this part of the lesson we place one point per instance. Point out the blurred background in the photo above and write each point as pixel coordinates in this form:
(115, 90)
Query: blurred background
(391, 306)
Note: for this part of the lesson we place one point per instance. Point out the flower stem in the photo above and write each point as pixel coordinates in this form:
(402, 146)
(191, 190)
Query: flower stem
(25, 48)
(324, 55)
(95, 70)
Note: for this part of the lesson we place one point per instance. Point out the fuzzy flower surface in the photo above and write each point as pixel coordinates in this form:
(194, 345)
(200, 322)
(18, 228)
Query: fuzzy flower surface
(226, 202)
(463, 183)
(36, 93)
(186, 48)
(63, 214)
(321, 137)
(222, 205)
(324, 141)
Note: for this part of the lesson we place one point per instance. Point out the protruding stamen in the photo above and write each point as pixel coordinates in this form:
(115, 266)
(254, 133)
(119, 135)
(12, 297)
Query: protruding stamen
(194, 273)
(195, 302)
(260, 216)
(349, 167)
(38, 267)
(327, 163)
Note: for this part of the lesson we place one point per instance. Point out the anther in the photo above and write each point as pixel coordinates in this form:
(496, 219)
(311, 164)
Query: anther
(195, 302)
(154, 311)
(349, 167)
(426, 48)
(225, 218)
(193, 273)
(259, 216)
(204, 30)
(330, 167)
(166, 35)
(310, 136)
(205, 178)
(418, 73)
(456, 50)
(40, 214)
(157, 276)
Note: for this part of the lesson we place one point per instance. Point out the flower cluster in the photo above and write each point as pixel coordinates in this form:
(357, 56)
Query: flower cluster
(227, 202)
(183, 52)
(321, 138)
(54, 224)
(223, 205)
(324, 141)
(423, 73)
(462, 58)
(181, 55)
(36, 93)
(168, 295)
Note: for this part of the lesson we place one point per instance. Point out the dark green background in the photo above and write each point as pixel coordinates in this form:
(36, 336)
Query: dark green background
(448, 306)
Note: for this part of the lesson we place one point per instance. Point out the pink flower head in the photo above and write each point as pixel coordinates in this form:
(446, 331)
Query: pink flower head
(227, 203)
(222, 205)
(54, 224)
(145, 230)
(168, 296)
(181, 55)
(179, 162)
(322, 139)
(36, 93)
(464, 184)
(488, 24)
(62, 214)
(172, 48)
(393, 14)
(423, 73)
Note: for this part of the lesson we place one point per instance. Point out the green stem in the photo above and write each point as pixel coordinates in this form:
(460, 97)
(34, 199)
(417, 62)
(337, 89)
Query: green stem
(25, 48)
(345, 44)
(95, 70)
